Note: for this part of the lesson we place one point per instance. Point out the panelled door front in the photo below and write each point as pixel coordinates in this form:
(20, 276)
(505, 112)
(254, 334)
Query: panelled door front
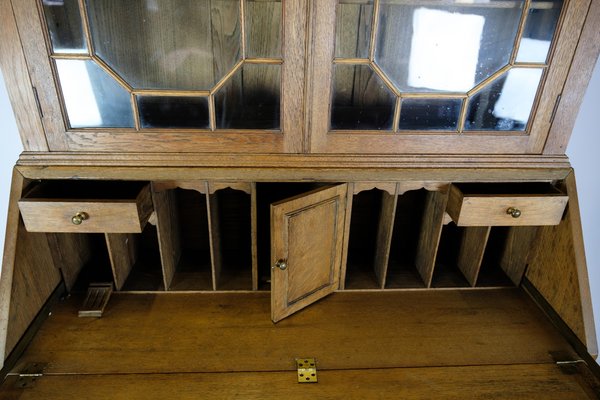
(306, 248)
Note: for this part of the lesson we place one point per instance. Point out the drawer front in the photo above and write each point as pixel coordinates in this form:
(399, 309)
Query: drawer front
(506, 210)
(81, 216)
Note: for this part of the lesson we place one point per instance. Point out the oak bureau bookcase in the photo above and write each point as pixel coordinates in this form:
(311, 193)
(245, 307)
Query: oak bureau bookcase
(204, 169)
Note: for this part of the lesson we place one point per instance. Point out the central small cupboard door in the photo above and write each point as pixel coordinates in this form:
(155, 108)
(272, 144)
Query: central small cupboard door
(306, 248)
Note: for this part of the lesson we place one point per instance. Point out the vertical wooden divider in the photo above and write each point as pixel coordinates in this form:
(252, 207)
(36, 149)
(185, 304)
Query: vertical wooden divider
(385, 230)
(167, 229)
(254, 234)
(212, 208)
(429, 237)
(123, 255)
(515, 253)
(70, 252)
(472, 248)
(349, 199)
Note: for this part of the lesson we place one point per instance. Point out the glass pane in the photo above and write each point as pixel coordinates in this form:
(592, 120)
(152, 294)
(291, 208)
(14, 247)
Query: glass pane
(445, 48)
(539, 30)
(353, 29)
(263, 28)
(505, 104)
(173, 112)
(64, 25)
(360, 99)
(92, 97)
(136, 38)
(430, 114)
(250, 99)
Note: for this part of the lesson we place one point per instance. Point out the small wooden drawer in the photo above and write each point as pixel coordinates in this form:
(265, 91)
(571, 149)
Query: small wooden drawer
(506, 204)
(87, 206)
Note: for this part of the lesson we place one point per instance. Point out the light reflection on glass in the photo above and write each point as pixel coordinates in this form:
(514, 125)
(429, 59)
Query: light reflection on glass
(539, 30)
(65, 27)
(92, 97)
(446, 48)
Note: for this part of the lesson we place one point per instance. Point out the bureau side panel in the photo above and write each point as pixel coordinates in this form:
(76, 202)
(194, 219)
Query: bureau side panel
(558, 270)
(29, 275)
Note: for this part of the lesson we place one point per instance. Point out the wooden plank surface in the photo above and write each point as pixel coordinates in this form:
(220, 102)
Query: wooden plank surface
(429, 237)
(515, 252)
(123, 254)
(537, 381)
(385, 229)
(167, 229)
(70, 253)
(471, 251)
(217, 332)
(558, 270)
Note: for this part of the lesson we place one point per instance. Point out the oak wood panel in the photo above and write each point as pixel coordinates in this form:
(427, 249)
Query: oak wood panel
(470, 209)
(502, 382)
(70, 253)
(307, 231)
(245, 187)
(212, 209)
(197, 185)
(122, 250)
(471, 251)
(389, 187)
(429, 236)
(167, 229)
(31, 26)
(567, 35)
(347, 330)
(558, 270)
(572, 93)
(8, 260)
(293, 103)
(18, 83)
(385, 229)
(347, 221)
(516, 251)
(55, 216)
(254, 234)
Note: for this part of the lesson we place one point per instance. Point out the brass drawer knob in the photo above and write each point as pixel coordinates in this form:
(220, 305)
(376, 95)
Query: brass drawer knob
(514, 212)
(281, 264)
(78, 218)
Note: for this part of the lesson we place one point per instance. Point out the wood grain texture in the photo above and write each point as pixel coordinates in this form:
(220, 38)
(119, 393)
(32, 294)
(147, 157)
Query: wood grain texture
(429, 236)
(389, 187)
(472, 248)
(198, 185)
(212, 209)
(558, 270)
(385, 229)
(245, 187)
(55, 216)
(293, 94)
(313, 256)
(505, 382)
(516, 251)
(585, 58)
(355, 330)
(18, 83)
(567, 36)
(254, 234)
(70, 253)
(167, 229)
(31, 26)
(467, 209)
(347, 221)
(122, 250)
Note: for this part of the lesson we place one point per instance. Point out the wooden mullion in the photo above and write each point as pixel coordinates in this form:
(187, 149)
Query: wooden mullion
(243, 28)
(85, 22)
(488, 80)
(374, 28)
(227, 76)
(171, 93)
(519, 36)
(113, 74)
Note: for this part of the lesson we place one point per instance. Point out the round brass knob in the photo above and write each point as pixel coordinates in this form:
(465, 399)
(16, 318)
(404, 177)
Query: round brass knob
(514, 212)
(281, 264)
(78, 218)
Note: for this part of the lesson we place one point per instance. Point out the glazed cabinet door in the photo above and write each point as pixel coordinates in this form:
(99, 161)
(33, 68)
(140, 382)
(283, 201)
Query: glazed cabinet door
(306, 249)
(167, 75)
(405, 76)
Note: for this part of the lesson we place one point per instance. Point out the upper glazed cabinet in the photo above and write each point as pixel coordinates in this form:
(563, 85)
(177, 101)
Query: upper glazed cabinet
(294, 76)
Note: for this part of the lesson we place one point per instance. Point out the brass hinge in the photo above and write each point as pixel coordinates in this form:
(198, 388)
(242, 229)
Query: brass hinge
(29, 375)
(307, 370)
